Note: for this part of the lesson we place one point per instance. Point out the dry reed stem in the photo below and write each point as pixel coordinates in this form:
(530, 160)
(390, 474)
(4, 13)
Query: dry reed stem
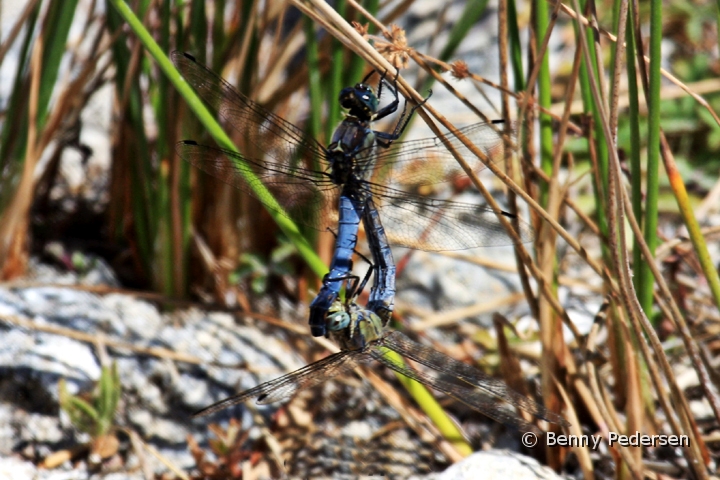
(617, 68)
(582, 453)
(621, 265)
(14, 221)
(611, 424)
(17, 28)
(584, 21)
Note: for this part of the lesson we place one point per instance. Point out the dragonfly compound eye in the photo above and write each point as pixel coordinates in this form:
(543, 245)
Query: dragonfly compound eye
(338, 321)
(360, 100)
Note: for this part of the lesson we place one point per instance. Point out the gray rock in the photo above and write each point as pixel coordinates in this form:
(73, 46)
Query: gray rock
(158, 394)
(496, 465)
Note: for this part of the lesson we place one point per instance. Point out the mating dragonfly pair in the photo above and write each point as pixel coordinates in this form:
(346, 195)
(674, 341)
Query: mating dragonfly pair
(352, 162)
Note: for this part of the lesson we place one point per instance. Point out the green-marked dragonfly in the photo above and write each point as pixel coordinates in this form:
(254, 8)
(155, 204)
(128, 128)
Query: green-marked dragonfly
(365, 339)
(364, 336)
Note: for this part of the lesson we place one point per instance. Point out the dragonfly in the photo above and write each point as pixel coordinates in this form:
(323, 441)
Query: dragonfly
(359, 163)
(365, 337)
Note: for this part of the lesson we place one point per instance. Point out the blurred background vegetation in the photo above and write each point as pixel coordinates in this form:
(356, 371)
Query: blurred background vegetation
(599, 110)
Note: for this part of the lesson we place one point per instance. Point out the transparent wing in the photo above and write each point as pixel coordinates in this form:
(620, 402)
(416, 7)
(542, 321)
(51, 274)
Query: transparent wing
(303, 194)
(413, 221)
(271, 134)
(287, 385)
(432, 225)
(429, 161)
(471, 386)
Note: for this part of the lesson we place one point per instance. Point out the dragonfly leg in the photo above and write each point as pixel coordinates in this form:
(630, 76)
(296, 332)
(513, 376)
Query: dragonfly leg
(405, 119)
(385, 139)
(326, 297)
(365, 79)
(380, 84)
(357, 290)
(392, 106)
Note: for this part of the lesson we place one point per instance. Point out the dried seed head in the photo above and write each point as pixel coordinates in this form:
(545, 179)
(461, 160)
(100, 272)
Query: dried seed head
(396, 51)
(460, 69)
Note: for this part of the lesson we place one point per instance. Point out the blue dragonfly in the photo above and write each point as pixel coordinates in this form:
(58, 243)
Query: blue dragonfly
(347, 175)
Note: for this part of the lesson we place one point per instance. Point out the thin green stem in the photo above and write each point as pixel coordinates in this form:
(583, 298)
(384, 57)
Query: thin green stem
(599, 145)
(544, 98)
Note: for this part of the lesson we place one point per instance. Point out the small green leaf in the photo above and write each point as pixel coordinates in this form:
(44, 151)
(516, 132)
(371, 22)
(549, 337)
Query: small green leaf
(108, 397)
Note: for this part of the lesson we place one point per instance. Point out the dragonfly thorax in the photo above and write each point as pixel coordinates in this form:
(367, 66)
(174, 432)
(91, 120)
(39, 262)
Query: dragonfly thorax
(351, 150)
(360, 100)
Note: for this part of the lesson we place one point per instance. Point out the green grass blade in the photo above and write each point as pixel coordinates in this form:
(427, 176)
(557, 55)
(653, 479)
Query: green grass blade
(14, 134)
(216, 131)
(544, 98)
(598, 142)
(314, 80)
(335, 79)
(357, 65)
(474, 9)
(515, 46)
(82, 415)
(696, 236)
(56, 27)
(652, 188)
(107, 398)
(634, 147)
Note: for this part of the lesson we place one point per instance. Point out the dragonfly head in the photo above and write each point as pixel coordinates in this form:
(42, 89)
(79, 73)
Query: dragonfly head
(353, 326)
(337, 319)
(360, 100)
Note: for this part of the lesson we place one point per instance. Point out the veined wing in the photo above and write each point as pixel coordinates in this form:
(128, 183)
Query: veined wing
(271, 134)
(471, 386)
(287, 385)
(429, 161)
(302, 193)
(433, 225)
